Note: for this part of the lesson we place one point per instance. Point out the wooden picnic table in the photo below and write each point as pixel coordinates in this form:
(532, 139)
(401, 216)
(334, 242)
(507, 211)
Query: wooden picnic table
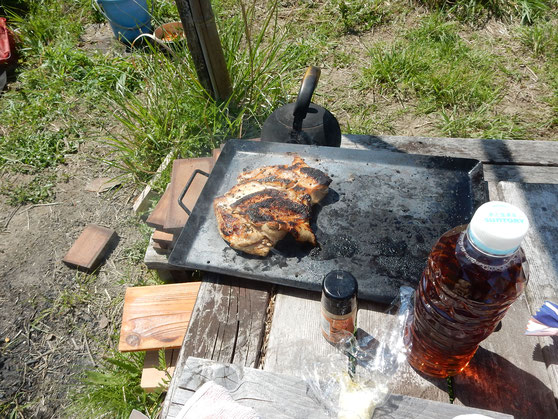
(268, 327)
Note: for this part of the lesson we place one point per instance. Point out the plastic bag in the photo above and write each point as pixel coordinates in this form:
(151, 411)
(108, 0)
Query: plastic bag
(356, 379)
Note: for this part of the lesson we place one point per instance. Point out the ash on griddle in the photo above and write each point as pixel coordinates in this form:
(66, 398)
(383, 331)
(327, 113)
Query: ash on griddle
(331, 247)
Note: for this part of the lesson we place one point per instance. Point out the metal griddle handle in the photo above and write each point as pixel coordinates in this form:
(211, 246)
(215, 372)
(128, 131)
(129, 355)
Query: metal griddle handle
(183, 193)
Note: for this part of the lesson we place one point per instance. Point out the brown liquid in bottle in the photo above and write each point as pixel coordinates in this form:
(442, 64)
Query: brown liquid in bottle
(462, 296)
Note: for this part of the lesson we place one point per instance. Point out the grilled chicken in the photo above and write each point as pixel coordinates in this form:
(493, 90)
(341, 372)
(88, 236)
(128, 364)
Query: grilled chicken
(269, 202)
(298, 176)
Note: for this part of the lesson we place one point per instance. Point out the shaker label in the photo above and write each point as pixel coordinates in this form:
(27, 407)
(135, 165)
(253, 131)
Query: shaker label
(331, 326)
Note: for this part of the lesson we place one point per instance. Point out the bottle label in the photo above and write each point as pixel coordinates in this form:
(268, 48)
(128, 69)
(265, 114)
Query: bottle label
(331, 326)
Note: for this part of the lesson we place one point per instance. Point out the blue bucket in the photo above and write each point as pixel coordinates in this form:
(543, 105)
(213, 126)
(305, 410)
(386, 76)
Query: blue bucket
(128, 18)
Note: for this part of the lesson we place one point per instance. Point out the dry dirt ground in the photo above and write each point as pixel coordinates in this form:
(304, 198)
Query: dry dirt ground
(54, 320)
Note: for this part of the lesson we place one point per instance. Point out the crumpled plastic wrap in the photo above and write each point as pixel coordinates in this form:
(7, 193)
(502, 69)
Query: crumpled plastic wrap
(356, 379)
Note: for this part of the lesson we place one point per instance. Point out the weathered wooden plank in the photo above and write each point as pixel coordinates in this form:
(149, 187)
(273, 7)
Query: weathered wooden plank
(296, 330)
(227, 324)
(283, 396)
(521, 174)
(517, 152)
(540, 203)
(228, 320)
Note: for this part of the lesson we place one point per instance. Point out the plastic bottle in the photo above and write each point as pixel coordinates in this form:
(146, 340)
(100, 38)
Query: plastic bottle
(473, 274)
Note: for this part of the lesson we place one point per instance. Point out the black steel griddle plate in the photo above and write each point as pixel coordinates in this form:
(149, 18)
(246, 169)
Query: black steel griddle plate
(383, 213)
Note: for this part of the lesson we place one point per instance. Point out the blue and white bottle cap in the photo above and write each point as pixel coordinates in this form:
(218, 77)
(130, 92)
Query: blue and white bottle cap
(498, 228)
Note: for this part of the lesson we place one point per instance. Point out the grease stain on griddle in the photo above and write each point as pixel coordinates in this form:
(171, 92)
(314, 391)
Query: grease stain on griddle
(333, 246)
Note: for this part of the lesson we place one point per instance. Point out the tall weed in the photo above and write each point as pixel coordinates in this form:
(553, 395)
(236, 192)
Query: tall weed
(171, 112)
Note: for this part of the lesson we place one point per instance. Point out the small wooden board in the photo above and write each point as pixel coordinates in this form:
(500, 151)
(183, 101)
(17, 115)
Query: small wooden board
(182, 170)
(152, 377)
(157, 316)
(90, 247)
(158, 216)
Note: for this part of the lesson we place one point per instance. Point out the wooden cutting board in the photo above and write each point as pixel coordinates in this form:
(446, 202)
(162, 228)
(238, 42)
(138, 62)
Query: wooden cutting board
(182, 170)
(157, 316)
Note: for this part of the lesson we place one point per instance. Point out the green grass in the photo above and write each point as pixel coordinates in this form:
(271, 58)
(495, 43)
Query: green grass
(50, 109)
(541, 39)
(479, 11)
(439, 74)
(114, 389)
(39, 190)
(173, 113)
(361, 15)
(436, 66)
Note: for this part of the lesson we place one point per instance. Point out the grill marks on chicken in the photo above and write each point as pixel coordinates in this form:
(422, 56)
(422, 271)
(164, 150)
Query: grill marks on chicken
(269, 202)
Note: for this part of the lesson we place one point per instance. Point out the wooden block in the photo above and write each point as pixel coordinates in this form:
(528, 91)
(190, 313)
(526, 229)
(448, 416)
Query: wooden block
(161, 248)
(159, 215)
(157, 316)
(90, 247)
(152, 377)
(182, 170)
(163, 238)
(154, 260)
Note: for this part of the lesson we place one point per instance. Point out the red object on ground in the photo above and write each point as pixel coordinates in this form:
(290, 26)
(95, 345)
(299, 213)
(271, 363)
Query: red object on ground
(7, 44)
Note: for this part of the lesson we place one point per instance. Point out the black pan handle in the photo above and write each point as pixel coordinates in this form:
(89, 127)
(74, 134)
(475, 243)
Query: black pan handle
(181, 197)
(309, 83)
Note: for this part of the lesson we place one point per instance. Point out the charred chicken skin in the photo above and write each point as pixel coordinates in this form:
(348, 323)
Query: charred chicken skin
(269, 202)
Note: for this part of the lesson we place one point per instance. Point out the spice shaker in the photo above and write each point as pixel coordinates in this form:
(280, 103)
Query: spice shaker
(339, 305)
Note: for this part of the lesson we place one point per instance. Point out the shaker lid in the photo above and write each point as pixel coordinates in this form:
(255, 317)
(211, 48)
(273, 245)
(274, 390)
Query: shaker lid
(498, 228)
(339, 291)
